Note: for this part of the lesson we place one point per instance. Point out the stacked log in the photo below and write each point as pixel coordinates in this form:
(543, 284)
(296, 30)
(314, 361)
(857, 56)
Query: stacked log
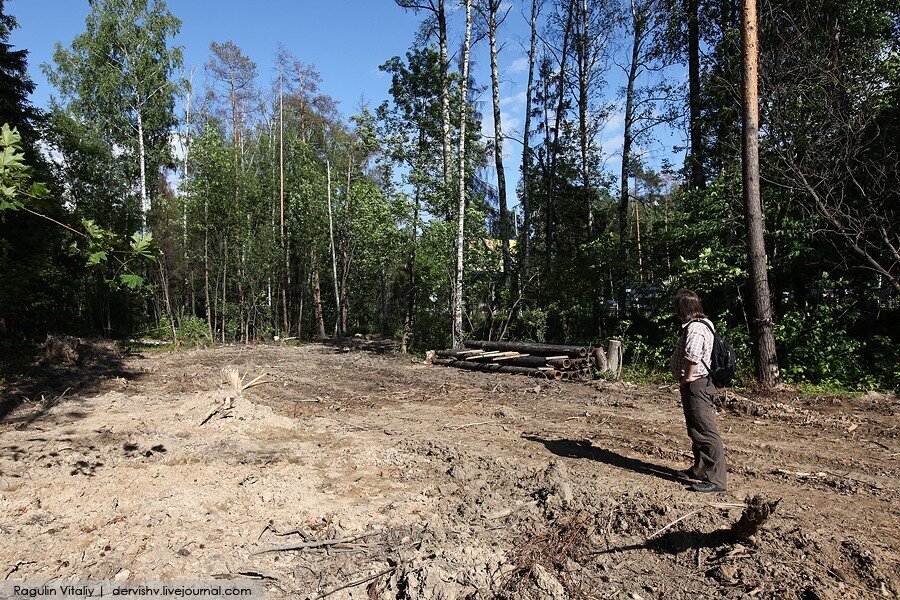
(548, 361)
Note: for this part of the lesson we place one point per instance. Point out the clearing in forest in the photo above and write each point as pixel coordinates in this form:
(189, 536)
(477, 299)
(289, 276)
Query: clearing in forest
(361, 474)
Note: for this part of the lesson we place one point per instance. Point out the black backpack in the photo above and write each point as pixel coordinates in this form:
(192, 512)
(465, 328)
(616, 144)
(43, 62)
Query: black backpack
(723, 361)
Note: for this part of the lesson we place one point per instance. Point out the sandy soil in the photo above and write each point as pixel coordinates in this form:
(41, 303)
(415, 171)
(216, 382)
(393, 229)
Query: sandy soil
(430, 482)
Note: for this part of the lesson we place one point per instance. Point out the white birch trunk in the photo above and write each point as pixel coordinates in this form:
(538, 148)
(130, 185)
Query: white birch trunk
(461, 217)
(145, 201)
(337, 291)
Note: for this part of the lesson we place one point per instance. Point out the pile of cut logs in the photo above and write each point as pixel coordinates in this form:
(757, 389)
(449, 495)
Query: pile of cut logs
(549, 361)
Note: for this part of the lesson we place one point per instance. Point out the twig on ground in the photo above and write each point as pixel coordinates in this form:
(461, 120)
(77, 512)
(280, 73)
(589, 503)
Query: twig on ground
(356, 583)
(879, 444)
(721, 505)
(58, 398)
(248, 574)
(315, 544)
(474, 424)
(254, 382)
(19, 564)
(673, 523)
(214, 411)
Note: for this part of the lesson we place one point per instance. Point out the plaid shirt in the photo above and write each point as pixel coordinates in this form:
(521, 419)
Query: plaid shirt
(694, 344)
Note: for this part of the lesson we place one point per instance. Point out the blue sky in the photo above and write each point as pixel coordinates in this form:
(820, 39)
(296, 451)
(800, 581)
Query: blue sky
(345, 39)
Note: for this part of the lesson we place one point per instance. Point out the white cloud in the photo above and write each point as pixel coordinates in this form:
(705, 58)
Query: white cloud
(520, 65)
(510, 122)
(515, 101)
(612, 144)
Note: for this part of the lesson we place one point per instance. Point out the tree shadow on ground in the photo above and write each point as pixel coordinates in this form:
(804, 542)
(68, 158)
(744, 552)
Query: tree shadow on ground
(583, 449)
(676, 542)
(33, 384)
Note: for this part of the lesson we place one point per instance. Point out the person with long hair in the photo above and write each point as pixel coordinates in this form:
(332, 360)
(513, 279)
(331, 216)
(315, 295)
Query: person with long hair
(690, 365)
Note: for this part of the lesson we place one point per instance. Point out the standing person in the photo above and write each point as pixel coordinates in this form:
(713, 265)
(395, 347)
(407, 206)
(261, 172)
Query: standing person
(690, 365)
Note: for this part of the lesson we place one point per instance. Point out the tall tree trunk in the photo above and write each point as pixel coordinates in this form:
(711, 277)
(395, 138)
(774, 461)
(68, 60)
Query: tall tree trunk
(209, 298)
(767, 371)
(186, 142)
(698, 179)
(638, 30)
(317, 292)
(526, 146)
(337, 290)
(224, 288)
(409, 318)
(558, 117)
(583, 48)
(547, 174)
(445, 93)
(461, 208)
(493, 8)
(411, 271)
(345, 247)
(164, 281)
(637, 226)
(142, 158)
(285, 313)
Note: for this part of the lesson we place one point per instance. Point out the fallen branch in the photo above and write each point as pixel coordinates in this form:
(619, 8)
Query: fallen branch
(315, 544)
(248, 574)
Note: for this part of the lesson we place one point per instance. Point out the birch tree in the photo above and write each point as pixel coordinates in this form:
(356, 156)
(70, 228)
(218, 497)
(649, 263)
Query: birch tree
(527, 158)
(461, 206)
(119, 74)
(490, 13)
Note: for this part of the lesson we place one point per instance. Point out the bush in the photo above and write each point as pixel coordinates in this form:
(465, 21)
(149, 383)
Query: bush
(191, 332)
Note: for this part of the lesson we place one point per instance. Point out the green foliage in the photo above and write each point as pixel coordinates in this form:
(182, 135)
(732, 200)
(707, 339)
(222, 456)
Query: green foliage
(191, 332)
(15, 175)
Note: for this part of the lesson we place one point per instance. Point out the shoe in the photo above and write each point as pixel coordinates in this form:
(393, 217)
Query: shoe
(686, 475)
(706, 486)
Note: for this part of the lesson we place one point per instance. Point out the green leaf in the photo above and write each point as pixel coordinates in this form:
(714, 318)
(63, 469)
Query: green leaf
(96, 258)
(92, 229)
(131, 281)
(38, 190)
(142, 244)
(8, 136)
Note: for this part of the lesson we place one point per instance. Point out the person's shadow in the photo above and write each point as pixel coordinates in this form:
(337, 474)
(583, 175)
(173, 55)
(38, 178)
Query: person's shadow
(581, 449)
(674, 541)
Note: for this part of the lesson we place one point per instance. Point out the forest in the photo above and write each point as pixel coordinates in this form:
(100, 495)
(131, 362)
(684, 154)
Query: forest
(228, 205)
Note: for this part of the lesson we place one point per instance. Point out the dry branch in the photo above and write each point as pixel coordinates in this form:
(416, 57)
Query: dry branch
(315, 544)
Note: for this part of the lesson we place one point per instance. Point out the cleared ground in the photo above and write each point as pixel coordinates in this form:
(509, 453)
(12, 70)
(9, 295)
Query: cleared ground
(444, 483)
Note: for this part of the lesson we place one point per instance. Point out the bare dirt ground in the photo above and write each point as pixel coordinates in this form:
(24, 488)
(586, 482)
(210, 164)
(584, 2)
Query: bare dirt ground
(431, 482)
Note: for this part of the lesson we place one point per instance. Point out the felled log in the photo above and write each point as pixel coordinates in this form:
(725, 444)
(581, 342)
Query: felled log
(509, 356)
(531, 348)
(532, 362)
(492, 367)
(561, 363)
(458, 353)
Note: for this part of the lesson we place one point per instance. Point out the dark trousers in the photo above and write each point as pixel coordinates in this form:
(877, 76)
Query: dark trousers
(700, 417)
